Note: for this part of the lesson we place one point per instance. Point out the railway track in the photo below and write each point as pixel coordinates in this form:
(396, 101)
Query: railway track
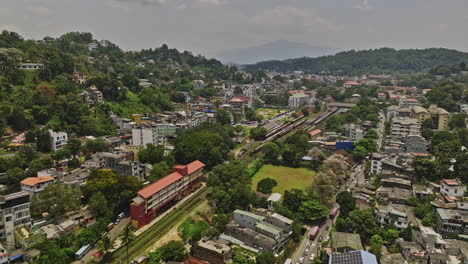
(146, 238)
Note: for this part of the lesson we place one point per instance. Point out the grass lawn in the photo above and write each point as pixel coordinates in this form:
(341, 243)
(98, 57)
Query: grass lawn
(287, 178)
(268, 112)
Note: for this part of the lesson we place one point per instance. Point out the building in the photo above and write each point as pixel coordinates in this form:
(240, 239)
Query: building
(143, 136)
(212, 252)
(394, 110)
(34, 185)
(247, 219)
(391, 214)
(353, 257)
(345, 242)
(58, 140)
(198, 84)
(404, 126)
(92, 96)
(151, 199)
(79, 77)
(351, 84)
(354, 132)
(14, 213)
(280, 221)
(31, 66)
(450, 222)
(298, 99)
(416, 144)
(439, 116)
(274, 198)
(452, 188)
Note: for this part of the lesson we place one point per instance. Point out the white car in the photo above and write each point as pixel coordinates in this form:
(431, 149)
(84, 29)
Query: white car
(312, 256)
(306, 251)
(301, 260)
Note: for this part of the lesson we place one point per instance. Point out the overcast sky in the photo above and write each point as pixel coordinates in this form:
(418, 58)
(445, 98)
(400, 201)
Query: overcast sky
(209, 26)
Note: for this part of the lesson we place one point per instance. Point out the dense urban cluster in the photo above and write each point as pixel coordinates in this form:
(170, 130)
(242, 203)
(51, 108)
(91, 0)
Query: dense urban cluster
(161, 156)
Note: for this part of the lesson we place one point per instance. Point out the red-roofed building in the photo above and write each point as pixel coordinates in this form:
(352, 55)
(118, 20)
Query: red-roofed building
(351, 84)
(164, 192)
(452, 188)
(35, 185)
(315, 132)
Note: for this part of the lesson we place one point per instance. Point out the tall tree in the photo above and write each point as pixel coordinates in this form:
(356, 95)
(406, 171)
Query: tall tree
(127, 237)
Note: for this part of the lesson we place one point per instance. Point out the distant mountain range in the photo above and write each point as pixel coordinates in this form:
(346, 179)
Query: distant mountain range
(276, 50)
(376, 61)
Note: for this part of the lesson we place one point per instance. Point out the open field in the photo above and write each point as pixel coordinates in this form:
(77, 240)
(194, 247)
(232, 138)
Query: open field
(269, 112)
(287, 178)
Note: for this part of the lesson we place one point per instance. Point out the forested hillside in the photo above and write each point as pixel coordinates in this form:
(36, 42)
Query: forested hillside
(49, 97)
(377, 61)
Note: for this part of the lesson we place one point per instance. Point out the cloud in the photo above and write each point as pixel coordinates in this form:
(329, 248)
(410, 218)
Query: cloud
(38, 10)
(180, 4)
(290, 19)
(145, 2)
(210, 2)
(364, 5)
(9, 27)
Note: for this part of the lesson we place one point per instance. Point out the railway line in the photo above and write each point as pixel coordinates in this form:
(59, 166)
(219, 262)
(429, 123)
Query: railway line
(146, 239)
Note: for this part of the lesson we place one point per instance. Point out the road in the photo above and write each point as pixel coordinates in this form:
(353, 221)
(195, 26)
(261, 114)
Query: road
(112, 234)
(381, 130)
(356, 179)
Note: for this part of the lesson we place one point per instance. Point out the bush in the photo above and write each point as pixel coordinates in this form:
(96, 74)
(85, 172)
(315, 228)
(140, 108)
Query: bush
(266, 185)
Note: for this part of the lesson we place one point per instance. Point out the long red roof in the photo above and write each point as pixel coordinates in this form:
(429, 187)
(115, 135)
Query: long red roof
(194, 166)
(159, 185)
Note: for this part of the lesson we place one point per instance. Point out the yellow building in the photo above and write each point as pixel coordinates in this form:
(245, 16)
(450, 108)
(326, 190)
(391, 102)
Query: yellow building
(439, 116)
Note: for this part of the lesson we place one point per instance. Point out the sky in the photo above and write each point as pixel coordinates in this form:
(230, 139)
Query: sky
(211, 26)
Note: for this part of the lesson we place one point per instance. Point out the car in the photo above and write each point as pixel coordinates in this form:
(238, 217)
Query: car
(301, 260)
(117, 222)
(320, 239)
(306, 251)
(328, 227)
(121, 215)
(312, 256)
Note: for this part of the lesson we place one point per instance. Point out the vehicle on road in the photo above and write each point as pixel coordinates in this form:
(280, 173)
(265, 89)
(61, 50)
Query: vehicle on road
(288, 261)
(110, 226)
(328, 227)
(314, 232)
(117, 221)
(301, 260)
(312, 256)
(306, 251)
(333, 213)
(82, 252)
(121, 215)
(320, 239)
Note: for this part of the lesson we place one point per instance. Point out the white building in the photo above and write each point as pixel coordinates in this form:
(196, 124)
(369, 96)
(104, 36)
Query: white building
(147, 135)
(198, 84)
(34, 185)
(390, 214)
(298, 99)
(354, 132)
(247, 219)
(31, 66)
(14, 212)
(58, 140)
(452, 188)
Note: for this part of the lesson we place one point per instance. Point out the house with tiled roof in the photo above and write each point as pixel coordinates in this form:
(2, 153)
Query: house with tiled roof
(165, 192)
(34, 185)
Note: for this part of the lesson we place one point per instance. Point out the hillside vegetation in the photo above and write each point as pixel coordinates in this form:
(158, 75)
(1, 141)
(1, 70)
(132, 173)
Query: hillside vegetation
(376, 61)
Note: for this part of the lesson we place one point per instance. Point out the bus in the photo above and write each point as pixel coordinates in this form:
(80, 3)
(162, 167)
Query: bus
(82, 252)
(333, 213)
(314, 232)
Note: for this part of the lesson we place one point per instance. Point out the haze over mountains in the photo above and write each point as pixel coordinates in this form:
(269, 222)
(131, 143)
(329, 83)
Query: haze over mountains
(276, 50)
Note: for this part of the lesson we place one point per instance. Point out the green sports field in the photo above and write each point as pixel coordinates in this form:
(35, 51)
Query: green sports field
(287, 178)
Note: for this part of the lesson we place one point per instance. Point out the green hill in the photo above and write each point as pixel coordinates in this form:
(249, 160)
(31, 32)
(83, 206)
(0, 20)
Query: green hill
(376, 61)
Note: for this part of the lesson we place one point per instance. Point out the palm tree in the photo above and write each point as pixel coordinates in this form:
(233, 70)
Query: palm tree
(105, 244)
(127, 236)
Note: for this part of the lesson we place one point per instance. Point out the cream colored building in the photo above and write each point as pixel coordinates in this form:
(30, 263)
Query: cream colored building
(439, 115)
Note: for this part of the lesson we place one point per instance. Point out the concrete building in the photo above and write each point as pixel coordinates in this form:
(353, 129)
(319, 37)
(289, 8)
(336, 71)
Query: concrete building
(354, 132)
(31, 66)
(247, 219)
(280, 221)
(79, 77)
(151, 199)
(391, 214)
(212, 252)
(345, 242)
(58, 140)
(404, 126)
(397, 111)
(439, 116)
(14, 213)
(451, 222)
(416, 144)
(35, 185)
(143, 136)
(198, 84)
(452, 188)
(92, 96)
(298, 99)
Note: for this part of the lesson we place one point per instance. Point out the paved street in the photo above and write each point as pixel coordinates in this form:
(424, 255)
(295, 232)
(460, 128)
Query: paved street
(112, 234)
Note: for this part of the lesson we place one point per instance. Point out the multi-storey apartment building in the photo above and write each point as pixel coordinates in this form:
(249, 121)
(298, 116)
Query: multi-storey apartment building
(151, 199)
(402, 127)
(34, 185)
(439, 116)
(58, 140)
(14, 212)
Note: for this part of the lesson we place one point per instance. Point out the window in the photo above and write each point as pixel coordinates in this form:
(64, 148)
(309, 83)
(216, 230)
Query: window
(8, 219)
